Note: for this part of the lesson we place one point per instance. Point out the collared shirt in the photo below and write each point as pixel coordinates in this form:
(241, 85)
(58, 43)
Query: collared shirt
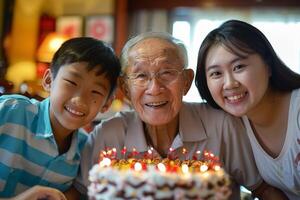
(28, 151)
(200, 128)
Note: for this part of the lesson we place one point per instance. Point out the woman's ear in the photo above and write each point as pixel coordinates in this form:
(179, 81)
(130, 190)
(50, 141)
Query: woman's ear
(47, 80)
(188, 80)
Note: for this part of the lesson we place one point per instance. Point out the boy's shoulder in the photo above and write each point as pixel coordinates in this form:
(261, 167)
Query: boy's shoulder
(18, 103)
(16, 99)
(18, 109)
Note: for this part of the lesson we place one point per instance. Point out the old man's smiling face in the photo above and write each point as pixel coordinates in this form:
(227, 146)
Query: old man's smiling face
(158, 102)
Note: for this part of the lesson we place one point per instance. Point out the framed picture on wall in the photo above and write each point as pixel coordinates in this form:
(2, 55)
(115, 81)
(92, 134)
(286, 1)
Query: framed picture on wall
(70, 26)
(100, 27)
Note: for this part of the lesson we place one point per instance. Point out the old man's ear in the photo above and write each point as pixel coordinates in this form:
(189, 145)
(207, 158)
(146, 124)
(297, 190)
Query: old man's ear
(188, 80)
(123, 87)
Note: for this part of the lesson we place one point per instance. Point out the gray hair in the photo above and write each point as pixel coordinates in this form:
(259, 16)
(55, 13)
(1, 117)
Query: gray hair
(160, 35)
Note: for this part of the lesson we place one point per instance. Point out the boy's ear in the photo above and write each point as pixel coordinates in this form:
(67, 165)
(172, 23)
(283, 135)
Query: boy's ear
(47, 80)
(189, 77)
(107, 105)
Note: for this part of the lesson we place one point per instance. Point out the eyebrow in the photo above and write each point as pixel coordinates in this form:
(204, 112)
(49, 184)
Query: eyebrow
(230, 62)
(77, 75)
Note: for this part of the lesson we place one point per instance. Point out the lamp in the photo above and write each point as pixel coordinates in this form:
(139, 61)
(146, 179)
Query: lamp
(49, 46)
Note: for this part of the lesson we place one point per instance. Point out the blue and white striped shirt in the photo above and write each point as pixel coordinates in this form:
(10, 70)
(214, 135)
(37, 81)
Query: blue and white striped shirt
(28, 152)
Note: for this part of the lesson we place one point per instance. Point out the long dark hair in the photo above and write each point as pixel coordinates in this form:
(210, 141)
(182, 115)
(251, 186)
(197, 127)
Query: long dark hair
(240, 36)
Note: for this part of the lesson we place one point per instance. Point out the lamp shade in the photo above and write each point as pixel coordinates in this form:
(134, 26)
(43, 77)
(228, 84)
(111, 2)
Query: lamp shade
(49, 46)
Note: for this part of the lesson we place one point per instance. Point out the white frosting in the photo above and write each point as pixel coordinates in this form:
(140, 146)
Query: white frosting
(136, 184)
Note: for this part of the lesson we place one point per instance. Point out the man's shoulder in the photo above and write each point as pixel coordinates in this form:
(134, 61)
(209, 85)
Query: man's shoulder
(120, 118)
(203, 110)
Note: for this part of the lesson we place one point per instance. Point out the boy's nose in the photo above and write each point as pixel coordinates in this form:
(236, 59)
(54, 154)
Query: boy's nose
(80, 98)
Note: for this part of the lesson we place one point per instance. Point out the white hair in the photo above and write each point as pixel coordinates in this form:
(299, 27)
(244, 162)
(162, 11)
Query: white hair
(160, 35)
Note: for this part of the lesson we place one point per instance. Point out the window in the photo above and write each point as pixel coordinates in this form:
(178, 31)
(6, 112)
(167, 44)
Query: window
(282, 30)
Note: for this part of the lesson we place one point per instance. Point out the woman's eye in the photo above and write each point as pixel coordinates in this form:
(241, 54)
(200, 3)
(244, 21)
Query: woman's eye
(214, 74)
(238, 67)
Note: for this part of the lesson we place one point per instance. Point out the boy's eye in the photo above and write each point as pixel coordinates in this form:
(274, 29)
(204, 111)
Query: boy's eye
(70, 82)
(97, 92)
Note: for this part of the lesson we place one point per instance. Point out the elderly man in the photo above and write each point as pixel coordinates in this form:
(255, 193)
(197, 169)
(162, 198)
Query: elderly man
(155, 78)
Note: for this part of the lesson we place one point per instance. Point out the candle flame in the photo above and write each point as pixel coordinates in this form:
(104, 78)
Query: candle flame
(105, 162)
(203, 168)
(161, 167)
(137, 166)
(217, 167)
(185, 168)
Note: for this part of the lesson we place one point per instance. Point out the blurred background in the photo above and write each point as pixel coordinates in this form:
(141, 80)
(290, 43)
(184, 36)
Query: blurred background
(32, 30)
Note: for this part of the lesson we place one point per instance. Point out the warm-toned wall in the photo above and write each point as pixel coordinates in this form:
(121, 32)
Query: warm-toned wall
(24, 32)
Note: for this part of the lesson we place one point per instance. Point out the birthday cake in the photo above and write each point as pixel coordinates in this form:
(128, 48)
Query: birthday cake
(152, 178)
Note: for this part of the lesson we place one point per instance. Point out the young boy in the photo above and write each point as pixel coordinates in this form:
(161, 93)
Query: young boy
(40, 143)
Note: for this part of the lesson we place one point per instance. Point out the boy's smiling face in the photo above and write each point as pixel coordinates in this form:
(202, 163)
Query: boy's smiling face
(76, 96)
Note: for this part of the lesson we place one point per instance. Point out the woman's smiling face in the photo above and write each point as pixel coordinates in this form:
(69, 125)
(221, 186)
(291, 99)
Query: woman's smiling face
(237, 84)
(157, 103)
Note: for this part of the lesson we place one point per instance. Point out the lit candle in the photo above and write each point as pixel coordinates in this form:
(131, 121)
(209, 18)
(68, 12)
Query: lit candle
(137, 166)
(134, 153)
(203, 168)
(161, 167)
(150, 154)
(114, 150)
(170, 154)
(123, 152)
(217, 167)
(105, 162)
(196, 156)
(185, 169)
(184, 152)
(109, 153)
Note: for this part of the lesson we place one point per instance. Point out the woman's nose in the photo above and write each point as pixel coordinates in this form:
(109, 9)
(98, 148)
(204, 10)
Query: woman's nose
(230, 82)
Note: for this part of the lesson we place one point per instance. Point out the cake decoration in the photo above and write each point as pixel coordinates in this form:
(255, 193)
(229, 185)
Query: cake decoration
(145, 176)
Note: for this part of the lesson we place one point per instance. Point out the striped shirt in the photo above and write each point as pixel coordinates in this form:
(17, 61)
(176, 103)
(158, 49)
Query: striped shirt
(28, 152)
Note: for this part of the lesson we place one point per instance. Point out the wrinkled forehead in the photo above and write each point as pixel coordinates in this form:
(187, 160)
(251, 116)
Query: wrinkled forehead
(154, 52)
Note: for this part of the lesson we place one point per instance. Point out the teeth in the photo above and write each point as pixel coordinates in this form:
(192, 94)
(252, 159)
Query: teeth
(156, 103)
(236, 97)
(74, 111)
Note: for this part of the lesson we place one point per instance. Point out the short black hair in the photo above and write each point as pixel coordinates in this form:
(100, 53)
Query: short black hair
(96, 53)
(240, 36)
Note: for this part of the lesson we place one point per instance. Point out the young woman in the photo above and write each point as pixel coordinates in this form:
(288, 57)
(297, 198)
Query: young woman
(239, 71)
